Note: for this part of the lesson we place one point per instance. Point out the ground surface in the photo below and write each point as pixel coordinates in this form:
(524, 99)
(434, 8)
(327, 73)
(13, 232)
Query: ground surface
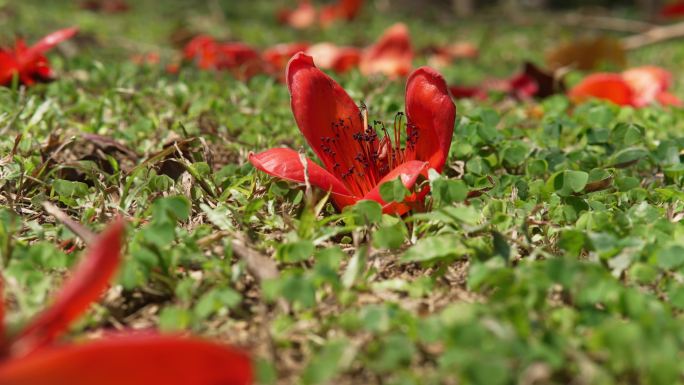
(567, 270)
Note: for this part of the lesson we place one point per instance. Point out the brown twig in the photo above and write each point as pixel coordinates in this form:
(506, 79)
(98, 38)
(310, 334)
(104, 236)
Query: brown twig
(653, 36)
(606, 23)
(81, 231)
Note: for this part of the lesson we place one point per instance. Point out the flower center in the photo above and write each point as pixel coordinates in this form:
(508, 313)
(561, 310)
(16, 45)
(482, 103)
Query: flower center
(361, 159)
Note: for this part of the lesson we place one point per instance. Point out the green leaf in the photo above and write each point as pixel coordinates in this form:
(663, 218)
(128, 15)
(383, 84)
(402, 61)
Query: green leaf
(394, 191)
(568, 182)
(433, 249)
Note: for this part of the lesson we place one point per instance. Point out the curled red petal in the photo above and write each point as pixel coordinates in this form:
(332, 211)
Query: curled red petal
(46, 43)
(607, 86)
(134, 360)
(431, 113)
(286, 164)
(87, 283)
(325, 114)
(409, 172)
(392, 55)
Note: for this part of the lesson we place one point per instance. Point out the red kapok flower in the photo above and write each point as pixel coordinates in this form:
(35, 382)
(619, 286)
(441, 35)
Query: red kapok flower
(237, 58)
(356, 160)
(30, 63)
(637, 87)
(32, 357)
(392, 55)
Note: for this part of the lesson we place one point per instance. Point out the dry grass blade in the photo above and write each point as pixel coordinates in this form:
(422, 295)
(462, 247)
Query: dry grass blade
(81, 231)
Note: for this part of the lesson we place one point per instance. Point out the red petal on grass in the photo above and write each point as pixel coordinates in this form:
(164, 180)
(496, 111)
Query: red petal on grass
(240, 59)
(408, 172)
(134, 360)
(286, 164)
(605, 86)
(87, 283)
(325, 114)
(432, 113)
(46, 43)
(278, 55)
(392, 55)
(668, 99)
(647, 83)
(468, 92)
(202, 49)
(302, 17)
(673, 10)
(8, 67)
(331, 56)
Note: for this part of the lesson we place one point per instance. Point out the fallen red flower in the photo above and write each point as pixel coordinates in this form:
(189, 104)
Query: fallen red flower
(30, 63)
(32, 357)
(302, 17)
(442, 56)
(331, 56)
(392, 55)
(306, 15)
(531, 82)
(356, 160)
(106, 6)
(277, 56)
(237, 58)
(636, 87)
(673, 10)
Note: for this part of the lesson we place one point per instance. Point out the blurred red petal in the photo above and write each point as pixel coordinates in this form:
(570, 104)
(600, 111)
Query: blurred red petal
(468, 92)
(45, 44)
(646, 83)
(612, 87)
(392, 55)
(278, 55)
(302, 17)
(431, 113)
(87, 283)
(134, 360)
(673, 10)
(668, 99)
(286, 164)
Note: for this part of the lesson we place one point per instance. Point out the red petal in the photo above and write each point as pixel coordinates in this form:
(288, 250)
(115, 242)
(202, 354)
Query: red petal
(133, 360)
(347, 58)
(240, 59)
(304, 16)
(673, 10)
(46, 43)
(392, 55)
(278, 55)
(3, 336)
(468, 92)
(431, 111)
(286, 164)
(408, 172)
(667, 99)
(646, 83)
(8, 67)
(349, 9)
(86, 285)
(319, 106)
(606, 86)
